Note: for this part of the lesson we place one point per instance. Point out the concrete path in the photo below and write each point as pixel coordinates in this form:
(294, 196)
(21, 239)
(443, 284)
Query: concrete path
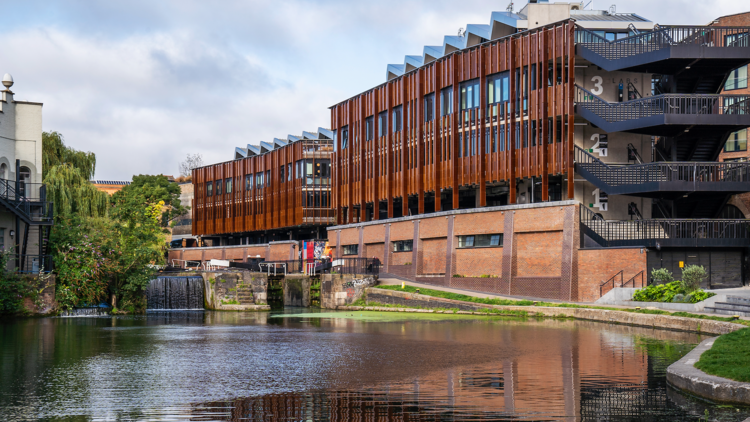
(740, 291)
(395, 281)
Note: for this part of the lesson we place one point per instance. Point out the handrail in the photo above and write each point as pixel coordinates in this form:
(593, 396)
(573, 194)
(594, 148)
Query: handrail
(676, 104)
(662, 37)
(676, 231)
(693, 172)
(632, 281)
(610, 281)
(23, 205)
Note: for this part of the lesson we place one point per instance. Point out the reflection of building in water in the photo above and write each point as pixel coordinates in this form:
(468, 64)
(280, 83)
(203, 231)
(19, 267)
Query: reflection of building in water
(548, 372)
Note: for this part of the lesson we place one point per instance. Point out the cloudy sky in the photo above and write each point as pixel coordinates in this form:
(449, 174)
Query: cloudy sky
(144, 82)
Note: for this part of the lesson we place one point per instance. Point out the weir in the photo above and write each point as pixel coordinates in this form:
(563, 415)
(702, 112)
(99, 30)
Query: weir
(168, 292)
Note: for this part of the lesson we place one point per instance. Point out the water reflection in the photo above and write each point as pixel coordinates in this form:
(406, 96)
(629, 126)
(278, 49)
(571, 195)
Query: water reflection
(319, 366)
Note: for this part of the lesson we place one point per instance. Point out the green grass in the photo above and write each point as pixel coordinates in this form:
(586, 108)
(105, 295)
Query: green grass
(506, 302)
(729, 357)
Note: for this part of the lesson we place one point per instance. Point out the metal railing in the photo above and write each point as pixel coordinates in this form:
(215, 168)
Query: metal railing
(610, 283)
(34, 207)
(665, 232)
(637, 281)
(698, 172)
(658, 105)
(34, 264)
(365, 266)
(662, 37)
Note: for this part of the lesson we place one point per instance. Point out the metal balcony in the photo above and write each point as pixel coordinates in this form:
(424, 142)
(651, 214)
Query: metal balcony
(665, 232)
(27, 201)
(690, 50)
(665, 115)
(660, 178)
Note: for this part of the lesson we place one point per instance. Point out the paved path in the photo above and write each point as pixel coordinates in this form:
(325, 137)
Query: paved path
(395, 281)
(740, 291)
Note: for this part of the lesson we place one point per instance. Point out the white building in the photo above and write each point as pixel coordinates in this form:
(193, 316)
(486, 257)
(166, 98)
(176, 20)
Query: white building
(25, 217)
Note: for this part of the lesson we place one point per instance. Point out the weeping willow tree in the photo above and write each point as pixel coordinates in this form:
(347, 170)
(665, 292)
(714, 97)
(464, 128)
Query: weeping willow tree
(66, 174)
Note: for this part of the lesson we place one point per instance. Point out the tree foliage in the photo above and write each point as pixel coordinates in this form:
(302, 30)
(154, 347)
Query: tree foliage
(55, 153)
(150, 190)
(66, 174)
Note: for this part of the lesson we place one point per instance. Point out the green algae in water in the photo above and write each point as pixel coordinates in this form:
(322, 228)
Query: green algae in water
(375, 316)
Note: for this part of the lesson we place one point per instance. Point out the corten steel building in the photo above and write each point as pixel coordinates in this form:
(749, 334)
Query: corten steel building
(269, 192)
(546, 153)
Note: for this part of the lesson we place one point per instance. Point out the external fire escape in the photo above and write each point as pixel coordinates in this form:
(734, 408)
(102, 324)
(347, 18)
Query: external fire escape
(690, 122)
(28, 203)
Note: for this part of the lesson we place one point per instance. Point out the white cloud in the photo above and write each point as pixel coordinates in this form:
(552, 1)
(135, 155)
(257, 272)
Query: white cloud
(143, 83)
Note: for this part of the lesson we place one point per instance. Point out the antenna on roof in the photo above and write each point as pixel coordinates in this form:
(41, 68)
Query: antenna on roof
(589, 3)
(612, 9)
(510, 7)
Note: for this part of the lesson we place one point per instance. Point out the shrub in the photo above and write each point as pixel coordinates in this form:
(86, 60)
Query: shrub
(670, 292)
(661, 276)
(692, 277)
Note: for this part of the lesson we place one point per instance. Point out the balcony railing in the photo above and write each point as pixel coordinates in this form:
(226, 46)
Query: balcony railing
(29, 200)
(662, 37)
(34, 264)
(610, 177)
(665, 232)
(666, 104)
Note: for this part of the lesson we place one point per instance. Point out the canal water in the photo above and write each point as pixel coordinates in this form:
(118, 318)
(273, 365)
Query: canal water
(340, 366)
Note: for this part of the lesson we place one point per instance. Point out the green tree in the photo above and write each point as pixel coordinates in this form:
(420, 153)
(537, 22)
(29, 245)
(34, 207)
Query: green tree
(153, 189)
(66, 174)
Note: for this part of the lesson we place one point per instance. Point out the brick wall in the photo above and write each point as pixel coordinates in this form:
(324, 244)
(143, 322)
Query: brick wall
(433, 255)
(477, 262)
(596, 266)
(536, 256)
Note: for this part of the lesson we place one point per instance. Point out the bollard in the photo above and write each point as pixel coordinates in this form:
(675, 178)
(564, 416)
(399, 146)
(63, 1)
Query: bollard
(403, 285)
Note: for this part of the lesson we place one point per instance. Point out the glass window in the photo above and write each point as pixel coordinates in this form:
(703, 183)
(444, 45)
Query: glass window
(446, 101)
(383, 123)
(344, 137)
(470, 94)
(397, 119)
(737, 79)
(209, 188)
(268, 178)
(289, 172)
(218, 187)
(248, 181)
(403, 245)
(737, 141)
(369, 128)
(737, 40)
(351, 249)
(281, 173)
(228, 185)
(429, 107)
(480, 241)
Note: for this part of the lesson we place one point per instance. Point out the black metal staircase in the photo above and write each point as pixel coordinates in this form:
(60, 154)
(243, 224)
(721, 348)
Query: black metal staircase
(28, 202)
(672, 232)
(667, 114)
(660, 178)
(698, 56)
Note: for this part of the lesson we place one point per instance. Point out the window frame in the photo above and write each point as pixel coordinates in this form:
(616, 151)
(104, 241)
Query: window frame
(469, 241)
(346, 250)
(400, 246)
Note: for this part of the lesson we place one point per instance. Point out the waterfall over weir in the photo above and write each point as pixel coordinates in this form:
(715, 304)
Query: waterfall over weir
(166, 292)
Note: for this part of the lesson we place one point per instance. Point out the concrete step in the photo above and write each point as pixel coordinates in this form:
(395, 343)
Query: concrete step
(739, 300)
(727, 312)
(732, 306)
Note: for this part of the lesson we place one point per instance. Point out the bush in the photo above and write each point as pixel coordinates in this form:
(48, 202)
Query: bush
(692, 277)
(661, 276)
(670, 292)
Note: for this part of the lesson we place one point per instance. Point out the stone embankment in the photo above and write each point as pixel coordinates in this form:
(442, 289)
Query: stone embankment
(686, 377)
(412, 302)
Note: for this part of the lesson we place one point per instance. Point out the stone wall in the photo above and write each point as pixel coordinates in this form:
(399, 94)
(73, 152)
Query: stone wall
(220, 288)
(45, 302)
(343, 289)
(297, 290)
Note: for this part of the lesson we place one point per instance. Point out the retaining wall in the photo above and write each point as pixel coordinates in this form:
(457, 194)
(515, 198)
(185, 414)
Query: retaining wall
(413, 300)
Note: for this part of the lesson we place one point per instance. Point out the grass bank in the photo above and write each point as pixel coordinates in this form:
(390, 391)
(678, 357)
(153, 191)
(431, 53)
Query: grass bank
(507, 302)
(729, 357)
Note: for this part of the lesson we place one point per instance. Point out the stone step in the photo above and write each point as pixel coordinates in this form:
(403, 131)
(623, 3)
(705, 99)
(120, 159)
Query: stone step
(732, 306)
(739, 300)
(727, 311)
